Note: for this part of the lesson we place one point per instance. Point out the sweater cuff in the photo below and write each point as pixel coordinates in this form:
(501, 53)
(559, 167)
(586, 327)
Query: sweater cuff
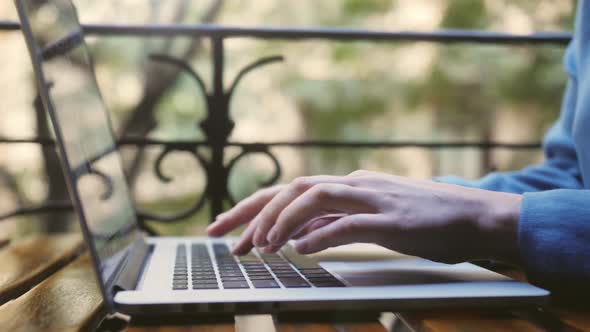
(554, 239)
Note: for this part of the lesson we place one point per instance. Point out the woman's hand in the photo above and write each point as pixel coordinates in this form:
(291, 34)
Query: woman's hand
(434, 220)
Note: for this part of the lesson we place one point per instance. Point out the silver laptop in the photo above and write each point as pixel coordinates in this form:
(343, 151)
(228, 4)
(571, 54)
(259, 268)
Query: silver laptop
(142, 275)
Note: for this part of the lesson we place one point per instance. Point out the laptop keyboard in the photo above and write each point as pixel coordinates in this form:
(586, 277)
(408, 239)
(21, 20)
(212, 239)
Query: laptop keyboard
(254, 270)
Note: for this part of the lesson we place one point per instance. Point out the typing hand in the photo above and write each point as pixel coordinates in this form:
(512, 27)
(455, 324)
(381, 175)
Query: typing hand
(417, 217)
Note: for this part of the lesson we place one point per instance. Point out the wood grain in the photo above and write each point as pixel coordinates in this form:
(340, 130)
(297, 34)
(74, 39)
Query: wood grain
(456, 321)
(327, 327)
(577, 318)
(69, 300)
(255, 323)
(29, 261)
(193, 328)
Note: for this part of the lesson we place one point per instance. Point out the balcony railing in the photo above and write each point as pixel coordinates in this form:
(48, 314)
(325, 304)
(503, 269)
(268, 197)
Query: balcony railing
(218, 124)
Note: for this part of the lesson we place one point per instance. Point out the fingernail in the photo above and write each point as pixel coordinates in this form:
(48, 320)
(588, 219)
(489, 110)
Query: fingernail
(301, 246)
(260, 241)
(269, 249)
(273, 237)
(234, 250)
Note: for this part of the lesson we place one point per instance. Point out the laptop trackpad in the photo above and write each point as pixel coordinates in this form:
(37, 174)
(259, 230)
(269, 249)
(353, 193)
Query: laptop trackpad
(396, 269)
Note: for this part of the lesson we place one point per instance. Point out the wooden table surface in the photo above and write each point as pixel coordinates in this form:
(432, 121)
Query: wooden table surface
(47, 284)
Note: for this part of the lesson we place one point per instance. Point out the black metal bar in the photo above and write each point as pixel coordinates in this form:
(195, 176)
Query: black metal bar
(9, 25)
(63, 45)
(398, 144)
(64, 206)
(336, 34)
(217, 127)
(181, 145)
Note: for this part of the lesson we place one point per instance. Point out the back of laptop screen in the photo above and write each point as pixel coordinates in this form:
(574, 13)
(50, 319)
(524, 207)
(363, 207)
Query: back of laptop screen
(92, 159)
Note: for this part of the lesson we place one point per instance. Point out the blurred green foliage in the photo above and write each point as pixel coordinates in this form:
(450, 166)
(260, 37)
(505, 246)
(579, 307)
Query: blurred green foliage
(356, 8)
(464, 87)
(363, 87)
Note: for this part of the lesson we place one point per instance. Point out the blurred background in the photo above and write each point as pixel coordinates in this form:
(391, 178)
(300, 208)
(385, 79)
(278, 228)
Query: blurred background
(324, 90)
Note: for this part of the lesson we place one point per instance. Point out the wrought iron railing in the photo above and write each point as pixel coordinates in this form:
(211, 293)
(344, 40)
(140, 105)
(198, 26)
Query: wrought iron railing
(218, 124)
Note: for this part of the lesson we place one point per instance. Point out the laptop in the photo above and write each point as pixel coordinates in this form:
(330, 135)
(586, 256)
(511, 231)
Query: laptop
(142, 276)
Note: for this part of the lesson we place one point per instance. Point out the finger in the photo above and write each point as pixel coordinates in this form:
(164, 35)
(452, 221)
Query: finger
(245, 244)
(269, 214)
(310, 204)
(350, 229)
(361, 172)
(243, 212)
(317, 223)
(272, 248)
(309, 227)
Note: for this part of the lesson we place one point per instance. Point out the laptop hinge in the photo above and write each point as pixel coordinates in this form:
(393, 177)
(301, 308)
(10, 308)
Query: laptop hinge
(130, 272)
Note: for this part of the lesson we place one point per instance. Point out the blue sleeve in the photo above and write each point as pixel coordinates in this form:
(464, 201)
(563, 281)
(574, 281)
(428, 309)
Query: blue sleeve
(554, 240)
(554, 225)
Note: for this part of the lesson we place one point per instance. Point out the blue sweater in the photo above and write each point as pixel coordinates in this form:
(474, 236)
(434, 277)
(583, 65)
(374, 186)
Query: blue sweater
(554, 227)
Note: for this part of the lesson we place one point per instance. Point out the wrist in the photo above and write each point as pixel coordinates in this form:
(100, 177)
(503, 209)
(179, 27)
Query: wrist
(498, 225)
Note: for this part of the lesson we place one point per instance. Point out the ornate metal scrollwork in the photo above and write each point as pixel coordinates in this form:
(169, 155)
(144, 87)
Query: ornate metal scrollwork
(217, 128)
(218, 125)
(108, 182)
(182, 65)
(200, 202)
(257, 64)
(250, 150)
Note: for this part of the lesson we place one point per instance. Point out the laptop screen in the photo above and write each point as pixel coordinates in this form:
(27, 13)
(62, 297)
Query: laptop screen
(81, 124)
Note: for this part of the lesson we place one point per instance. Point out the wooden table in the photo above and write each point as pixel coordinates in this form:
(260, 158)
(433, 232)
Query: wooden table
(47, 284)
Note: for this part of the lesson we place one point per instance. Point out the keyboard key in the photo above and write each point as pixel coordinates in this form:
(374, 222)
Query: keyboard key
(197, 269)
(294, 282)
(179, 279)
(278, 264)
(281, 268)
(313, 271)
(335, 283)
(231, 275)
(284, 271)
(265, 284)
(287, 275)
(240, 278)
(258, 271)
(201, 272)
(254, 267)
(235, 284)
(300, 261)
(323, 279)
(205, 286)
(262, 277)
